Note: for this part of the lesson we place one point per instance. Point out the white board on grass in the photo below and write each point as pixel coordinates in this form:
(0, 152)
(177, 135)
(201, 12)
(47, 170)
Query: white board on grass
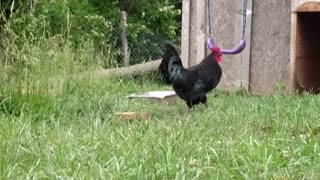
(153, 94)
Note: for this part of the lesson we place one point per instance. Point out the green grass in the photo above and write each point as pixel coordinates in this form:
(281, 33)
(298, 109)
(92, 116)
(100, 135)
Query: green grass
(69, 131)
(75, 135)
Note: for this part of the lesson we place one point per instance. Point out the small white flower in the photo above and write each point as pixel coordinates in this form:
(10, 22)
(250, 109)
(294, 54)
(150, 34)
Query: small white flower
(286, 152)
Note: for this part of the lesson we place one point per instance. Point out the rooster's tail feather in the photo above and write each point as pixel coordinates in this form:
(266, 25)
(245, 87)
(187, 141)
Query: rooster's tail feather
(170, 56)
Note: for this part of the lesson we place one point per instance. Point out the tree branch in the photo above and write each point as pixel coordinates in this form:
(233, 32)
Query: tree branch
(137, 69)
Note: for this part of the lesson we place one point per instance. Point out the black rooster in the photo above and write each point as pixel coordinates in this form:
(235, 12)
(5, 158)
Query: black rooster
(191, 84)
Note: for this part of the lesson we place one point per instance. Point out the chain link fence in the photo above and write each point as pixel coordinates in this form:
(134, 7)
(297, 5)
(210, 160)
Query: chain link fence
(144, 47)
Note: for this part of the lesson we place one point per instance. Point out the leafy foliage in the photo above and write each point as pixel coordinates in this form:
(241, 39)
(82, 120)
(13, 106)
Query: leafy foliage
(97, 21)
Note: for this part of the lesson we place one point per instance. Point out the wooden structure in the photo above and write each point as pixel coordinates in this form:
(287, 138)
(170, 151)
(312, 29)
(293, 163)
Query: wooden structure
(281, 37)
(305, 52)
(195, 33)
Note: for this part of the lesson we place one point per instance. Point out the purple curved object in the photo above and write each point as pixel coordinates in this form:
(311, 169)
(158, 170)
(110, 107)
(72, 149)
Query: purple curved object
(211, 43)
(236, 50)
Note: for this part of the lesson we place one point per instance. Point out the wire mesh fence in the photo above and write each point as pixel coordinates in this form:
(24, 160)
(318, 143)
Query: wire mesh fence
(143, 47)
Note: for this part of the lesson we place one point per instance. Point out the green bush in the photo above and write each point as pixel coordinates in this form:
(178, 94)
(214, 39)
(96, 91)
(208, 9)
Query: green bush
(97, 22)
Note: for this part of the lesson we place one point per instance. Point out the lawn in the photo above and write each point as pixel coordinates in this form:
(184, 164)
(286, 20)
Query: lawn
(52, 129)
(72, 133)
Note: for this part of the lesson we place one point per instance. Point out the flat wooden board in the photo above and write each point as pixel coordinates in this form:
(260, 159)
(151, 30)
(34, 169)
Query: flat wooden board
(309, 7)
(133, 115)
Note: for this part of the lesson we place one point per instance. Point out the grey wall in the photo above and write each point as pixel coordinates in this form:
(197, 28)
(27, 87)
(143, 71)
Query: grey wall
(270, 43)
(224, 17)
(270, 53)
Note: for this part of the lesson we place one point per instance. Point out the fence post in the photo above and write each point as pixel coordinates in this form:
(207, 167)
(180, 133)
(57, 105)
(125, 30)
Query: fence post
(124, 38)
(32, 6)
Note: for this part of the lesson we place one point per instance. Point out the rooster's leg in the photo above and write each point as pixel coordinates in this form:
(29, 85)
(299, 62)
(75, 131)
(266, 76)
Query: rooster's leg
(204, 101)
(189, 108)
